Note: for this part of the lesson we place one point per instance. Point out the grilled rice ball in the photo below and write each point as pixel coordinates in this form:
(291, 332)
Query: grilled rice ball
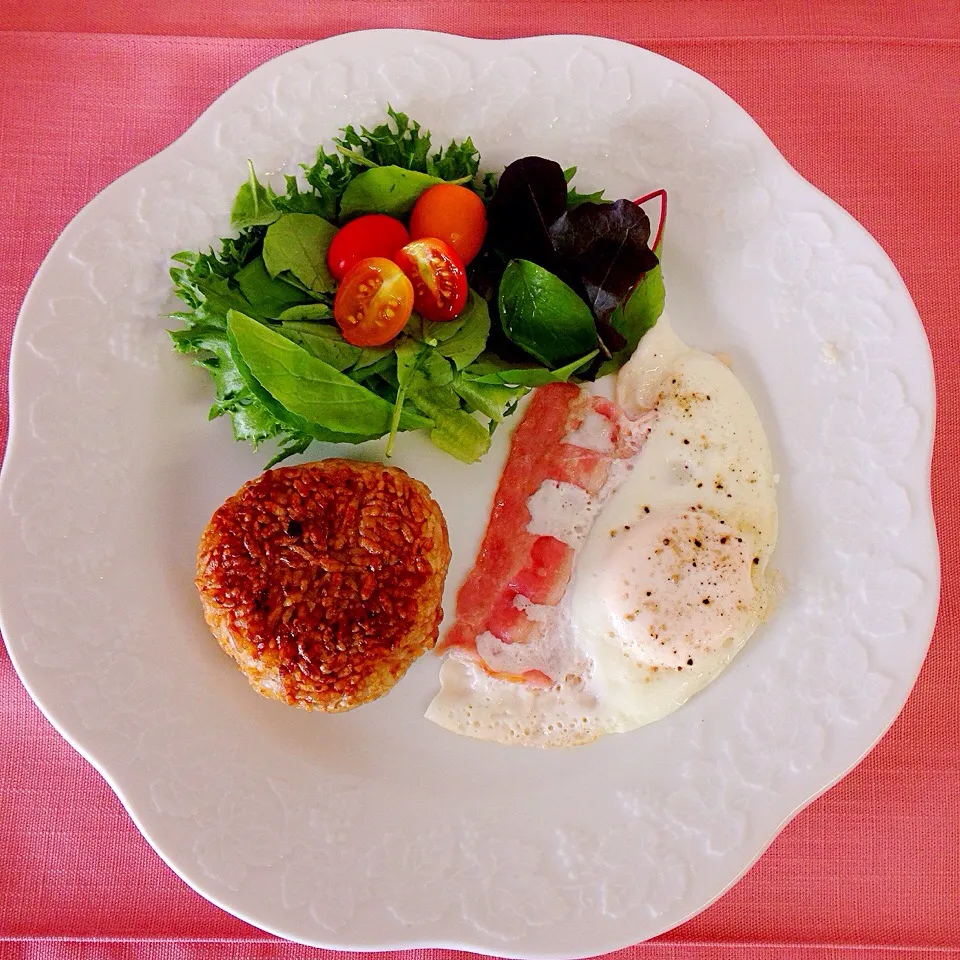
(323, 581)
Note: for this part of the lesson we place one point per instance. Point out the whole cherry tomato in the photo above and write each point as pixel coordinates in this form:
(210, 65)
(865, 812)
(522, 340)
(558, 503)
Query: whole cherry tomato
(453, 214)
(375, 235)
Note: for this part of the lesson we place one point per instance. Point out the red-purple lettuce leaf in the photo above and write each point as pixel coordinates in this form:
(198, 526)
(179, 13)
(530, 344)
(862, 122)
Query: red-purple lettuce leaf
(597, 248)
(607, 244)
(531, 194)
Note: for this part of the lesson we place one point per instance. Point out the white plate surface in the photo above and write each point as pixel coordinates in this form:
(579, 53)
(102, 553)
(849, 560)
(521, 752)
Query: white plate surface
(377, 829)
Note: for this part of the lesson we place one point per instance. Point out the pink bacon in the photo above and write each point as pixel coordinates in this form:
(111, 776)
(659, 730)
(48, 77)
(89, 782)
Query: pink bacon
(512, 562)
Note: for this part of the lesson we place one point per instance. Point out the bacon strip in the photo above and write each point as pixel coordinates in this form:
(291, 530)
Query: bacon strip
(512, 561)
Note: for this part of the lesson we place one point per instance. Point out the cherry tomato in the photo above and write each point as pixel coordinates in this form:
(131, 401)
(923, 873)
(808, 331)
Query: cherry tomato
(373, 302)
(438, 276)
(375, 235)
(452, 213)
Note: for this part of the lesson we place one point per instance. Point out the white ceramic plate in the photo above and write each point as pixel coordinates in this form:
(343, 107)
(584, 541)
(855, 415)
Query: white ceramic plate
(377, 829)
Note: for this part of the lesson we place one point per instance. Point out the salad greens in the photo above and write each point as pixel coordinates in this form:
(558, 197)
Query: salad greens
(565, 286)
(307, 386)
(390, 190)
(298, 243)
(543, 315)
(597, 248)
(605, 246)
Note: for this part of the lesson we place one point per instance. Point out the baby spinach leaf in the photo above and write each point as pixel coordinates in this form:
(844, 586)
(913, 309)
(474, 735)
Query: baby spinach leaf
(493, 399)
(307, 312)
(467, 341)
(641, 310)
(253, 206)
(637, 314)
(292, 424)
(299, 242)
(323, 341)
(371, 357)
(493, 370)
(308, 387)
(607, 245)
(541, 314)
(268, 297)
(392, 190)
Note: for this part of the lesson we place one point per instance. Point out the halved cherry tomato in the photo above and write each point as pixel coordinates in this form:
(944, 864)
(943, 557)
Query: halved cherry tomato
(452, 213)
(375, 235)
(373, 302)
(438, 276)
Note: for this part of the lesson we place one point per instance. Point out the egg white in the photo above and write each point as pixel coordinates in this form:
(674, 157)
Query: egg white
(672, 574)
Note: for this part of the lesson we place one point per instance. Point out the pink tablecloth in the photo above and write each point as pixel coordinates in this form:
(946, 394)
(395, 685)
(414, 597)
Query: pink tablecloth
(862, 97)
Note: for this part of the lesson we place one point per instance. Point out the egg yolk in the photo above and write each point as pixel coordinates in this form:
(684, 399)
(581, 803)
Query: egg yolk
(679, 586)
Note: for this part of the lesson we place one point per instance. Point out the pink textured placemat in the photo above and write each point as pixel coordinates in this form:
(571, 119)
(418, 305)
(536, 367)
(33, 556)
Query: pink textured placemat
(861, 97)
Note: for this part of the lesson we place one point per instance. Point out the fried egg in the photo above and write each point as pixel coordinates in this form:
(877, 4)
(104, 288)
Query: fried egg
(670, 565)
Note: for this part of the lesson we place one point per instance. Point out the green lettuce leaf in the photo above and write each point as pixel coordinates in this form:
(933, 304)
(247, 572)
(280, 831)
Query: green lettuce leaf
(390, 190)
(268, 297)
(308, 387)
(543, 315)
(253, 206)
(298, 243)
(491, 369)
(495, 400)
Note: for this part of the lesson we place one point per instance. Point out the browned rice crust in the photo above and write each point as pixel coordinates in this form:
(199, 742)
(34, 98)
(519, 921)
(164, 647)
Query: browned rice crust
(323, 581)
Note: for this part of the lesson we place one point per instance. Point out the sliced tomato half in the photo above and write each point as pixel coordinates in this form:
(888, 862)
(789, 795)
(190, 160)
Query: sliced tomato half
(438, 276)
(373, 302)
